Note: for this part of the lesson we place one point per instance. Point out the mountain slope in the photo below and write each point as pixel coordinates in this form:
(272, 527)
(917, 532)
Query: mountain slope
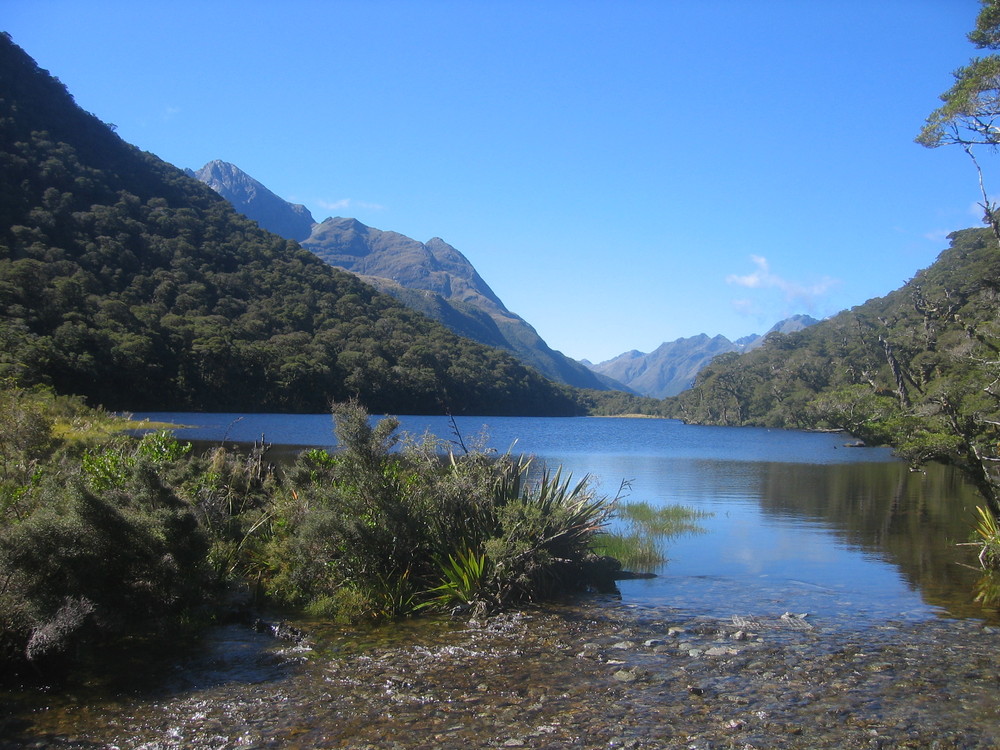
(127, 281)
(438, 268)
(289, 220)
(672, 367)
(916, 369)
(433, 278)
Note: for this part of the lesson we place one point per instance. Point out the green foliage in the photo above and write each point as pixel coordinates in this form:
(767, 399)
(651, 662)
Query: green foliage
(25, 441)
(987, 530)
(110, 466)
(666, 520)
(636, 550)
(233, 493)
(92, 560)
(545, 531)
(619, 403)
(970, 113)
(466, 575)
(640, 545)
(916, 369)
(390, 531)
(138, 534)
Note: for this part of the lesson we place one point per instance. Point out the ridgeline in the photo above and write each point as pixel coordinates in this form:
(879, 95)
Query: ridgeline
(126, 281)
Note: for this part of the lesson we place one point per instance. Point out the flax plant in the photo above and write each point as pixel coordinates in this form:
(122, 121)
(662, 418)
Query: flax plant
(987, 530)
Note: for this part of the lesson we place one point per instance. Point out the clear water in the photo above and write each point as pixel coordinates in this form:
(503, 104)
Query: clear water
(799, 522)
(896, 653)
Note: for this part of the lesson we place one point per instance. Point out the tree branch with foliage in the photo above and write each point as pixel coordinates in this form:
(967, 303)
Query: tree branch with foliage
(970, 114)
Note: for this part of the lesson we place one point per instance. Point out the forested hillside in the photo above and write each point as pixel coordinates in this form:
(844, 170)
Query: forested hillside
(431, 277)
(129, 282)
(917, 369)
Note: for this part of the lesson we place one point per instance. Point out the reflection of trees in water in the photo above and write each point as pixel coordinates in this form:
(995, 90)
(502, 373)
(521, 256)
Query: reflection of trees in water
(914, 520)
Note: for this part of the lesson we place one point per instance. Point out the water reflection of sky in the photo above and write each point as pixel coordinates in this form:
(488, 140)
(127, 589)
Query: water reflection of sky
(793, 514)
(753, 562)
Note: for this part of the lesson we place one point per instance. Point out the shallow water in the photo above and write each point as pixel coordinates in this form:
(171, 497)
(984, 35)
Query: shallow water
(825, 606)
(598, 674)
(798, 521)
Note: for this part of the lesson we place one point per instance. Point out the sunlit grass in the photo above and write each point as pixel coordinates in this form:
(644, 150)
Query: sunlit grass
(641, 545)
(636, 551)
(668, 520)
(100, 426)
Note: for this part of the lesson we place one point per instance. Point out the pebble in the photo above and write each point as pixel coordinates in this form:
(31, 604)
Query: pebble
(516, 681)
(626, 675)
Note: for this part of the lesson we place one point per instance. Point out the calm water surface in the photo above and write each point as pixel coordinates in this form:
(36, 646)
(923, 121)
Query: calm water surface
(895, 654)
(799, 522)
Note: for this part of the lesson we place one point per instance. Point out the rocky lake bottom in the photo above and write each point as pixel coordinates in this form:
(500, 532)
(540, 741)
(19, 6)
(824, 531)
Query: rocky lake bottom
(596, 675)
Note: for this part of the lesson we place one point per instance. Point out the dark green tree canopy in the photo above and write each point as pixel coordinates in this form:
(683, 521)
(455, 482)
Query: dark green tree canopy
(124, 280)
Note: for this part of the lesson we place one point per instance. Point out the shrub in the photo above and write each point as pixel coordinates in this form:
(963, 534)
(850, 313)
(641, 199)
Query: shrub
(395, 530)
(96, 562)
(987, 531)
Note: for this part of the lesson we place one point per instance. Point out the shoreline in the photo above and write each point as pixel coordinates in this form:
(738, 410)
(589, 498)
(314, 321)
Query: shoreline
(595, 675)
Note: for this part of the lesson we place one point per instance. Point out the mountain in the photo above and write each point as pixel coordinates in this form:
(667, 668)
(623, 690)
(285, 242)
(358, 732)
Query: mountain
(434, 267)
(790, 325)
(916, 369)
(125, 280)
(289, 220)
(672, 367)
(433, 278)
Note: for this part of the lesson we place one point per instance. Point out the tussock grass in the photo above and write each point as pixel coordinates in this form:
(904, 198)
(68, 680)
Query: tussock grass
(641, 546)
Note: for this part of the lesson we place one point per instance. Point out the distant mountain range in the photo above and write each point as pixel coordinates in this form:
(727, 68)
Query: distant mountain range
(672, 367)
(433, 277)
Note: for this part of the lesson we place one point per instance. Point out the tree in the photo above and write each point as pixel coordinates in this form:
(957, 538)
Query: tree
(970, 115)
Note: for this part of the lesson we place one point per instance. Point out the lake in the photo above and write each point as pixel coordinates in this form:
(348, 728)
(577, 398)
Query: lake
(823, 605)
(799, 521)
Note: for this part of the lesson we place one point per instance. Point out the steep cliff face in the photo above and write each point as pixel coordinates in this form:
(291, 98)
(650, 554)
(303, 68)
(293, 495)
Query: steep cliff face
(431, 277)
(434, 267)
(454, 292)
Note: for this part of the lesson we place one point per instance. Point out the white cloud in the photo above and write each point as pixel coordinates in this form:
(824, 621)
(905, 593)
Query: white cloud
(938, 236)
(756, 279)
(794, 291)
(348, 204)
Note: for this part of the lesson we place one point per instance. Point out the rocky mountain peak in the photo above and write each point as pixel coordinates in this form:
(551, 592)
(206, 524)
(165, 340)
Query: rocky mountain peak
(253, 200)
(671, 368)
(433, 278)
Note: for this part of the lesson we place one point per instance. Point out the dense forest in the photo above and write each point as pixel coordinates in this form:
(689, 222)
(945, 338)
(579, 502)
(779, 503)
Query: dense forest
(130, 283)
(918, 369)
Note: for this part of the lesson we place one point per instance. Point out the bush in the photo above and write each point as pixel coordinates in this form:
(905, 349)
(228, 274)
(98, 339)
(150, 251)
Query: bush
(105, 547)
(392, 531)
(128, 536)
(92, 563)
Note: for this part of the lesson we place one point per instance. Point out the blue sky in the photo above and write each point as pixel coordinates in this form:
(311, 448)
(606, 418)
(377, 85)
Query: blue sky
(621, 173)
